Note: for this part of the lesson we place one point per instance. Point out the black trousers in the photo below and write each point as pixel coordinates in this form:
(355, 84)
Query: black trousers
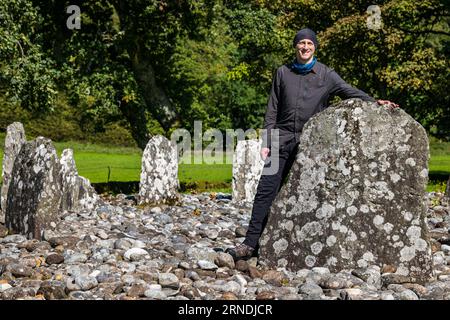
(268, 188)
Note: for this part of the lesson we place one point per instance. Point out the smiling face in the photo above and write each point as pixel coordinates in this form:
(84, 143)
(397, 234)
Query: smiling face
(304, 51)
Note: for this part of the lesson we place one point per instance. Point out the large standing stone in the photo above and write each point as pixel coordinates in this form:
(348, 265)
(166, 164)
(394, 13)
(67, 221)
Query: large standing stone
(78, 194)
(34, 195)
(15, 138)
(355, 195)
(159, 175)
(247, 169)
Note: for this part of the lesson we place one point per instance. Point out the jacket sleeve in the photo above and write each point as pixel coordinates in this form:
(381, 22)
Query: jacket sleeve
(270, 118)
(346, 91)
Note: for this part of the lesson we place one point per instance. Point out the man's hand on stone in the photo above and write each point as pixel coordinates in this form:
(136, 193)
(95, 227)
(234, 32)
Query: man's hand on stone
(391, 105)
(264, 153)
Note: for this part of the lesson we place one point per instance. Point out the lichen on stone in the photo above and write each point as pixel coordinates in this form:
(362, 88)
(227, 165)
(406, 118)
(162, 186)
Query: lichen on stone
(356, 187)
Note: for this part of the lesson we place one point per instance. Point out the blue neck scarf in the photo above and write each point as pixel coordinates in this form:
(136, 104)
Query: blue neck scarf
(303, 68)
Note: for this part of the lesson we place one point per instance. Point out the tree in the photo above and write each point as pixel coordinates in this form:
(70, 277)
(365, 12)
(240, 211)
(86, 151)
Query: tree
(163, 64)
(404, 61)
(27, 74)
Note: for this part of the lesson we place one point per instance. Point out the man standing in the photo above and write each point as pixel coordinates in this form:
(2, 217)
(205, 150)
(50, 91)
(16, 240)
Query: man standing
(300, 89)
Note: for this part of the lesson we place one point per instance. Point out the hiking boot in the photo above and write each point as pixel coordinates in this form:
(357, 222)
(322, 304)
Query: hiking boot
(241, 252)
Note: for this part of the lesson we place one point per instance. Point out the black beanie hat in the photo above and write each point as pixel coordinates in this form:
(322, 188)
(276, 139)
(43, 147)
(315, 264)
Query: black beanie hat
(306, 33)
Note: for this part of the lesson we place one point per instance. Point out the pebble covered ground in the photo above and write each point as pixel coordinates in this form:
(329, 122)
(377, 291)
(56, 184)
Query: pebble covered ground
(123, 251)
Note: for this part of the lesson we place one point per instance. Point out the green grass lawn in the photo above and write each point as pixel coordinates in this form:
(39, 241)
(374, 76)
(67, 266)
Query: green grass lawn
(103, 167)
(108, 163)
(102, 163)
(440, 164)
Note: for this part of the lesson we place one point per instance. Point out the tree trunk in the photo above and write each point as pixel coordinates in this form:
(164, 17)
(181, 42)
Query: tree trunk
(135, 115)
(155, 98)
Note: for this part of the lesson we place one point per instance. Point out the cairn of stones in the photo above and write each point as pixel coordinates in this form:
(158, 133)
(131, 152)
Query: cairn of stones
(15, 138)
(355, 195)
(37, 186)
(247, 169)
(159, 175)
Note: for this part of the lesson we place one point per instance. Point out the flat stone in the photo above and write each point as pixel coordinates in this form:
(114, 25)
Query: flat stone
(311, 289)
(75, 258)
(224, 260)
(16, 293)
(123, 244)
(54, 259)
(136, 290)
(86, 282)
(273, 277)
(155, 292)
(4, 286)
(135, 254)
(14, 238)
(229, 296)
(228, 286)
(66, 241)
(371, 275)
(20, 271)
(265, 295)
(207, 265)
(240, 232)
(254, 272)
(407, 295)
(242, 265)
(418, 289)
(391, 278)
(169, 280)
(52, 290)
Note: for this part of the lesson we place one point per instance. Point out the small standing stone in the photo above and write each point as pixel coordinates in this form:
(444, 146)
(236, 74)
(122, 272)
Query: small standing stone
(15, 138)
(247, 169)
(78, 194)
(159, 175)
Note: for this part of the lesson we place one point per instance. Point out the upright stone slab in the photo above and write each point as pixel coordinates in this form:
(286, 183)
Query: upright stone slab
(34, 195)
(15, 138)
(355, 195)
(159, 175)
(78, 194)
(247, 169)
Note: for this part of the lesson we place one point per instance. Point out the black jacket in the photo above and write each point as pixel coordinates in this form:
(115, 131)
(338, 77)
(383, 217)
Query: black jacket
(295, 98)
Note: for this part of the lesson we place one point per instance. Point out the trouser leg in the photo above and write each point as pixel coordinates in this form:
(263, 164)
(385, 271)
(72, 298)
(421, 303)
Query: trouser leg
(268, 188)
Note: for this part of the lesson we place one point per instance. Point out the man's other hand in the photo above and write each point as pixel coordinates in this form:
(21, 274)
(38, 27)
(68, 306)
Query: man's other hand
(264, 153)
(391, 105)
